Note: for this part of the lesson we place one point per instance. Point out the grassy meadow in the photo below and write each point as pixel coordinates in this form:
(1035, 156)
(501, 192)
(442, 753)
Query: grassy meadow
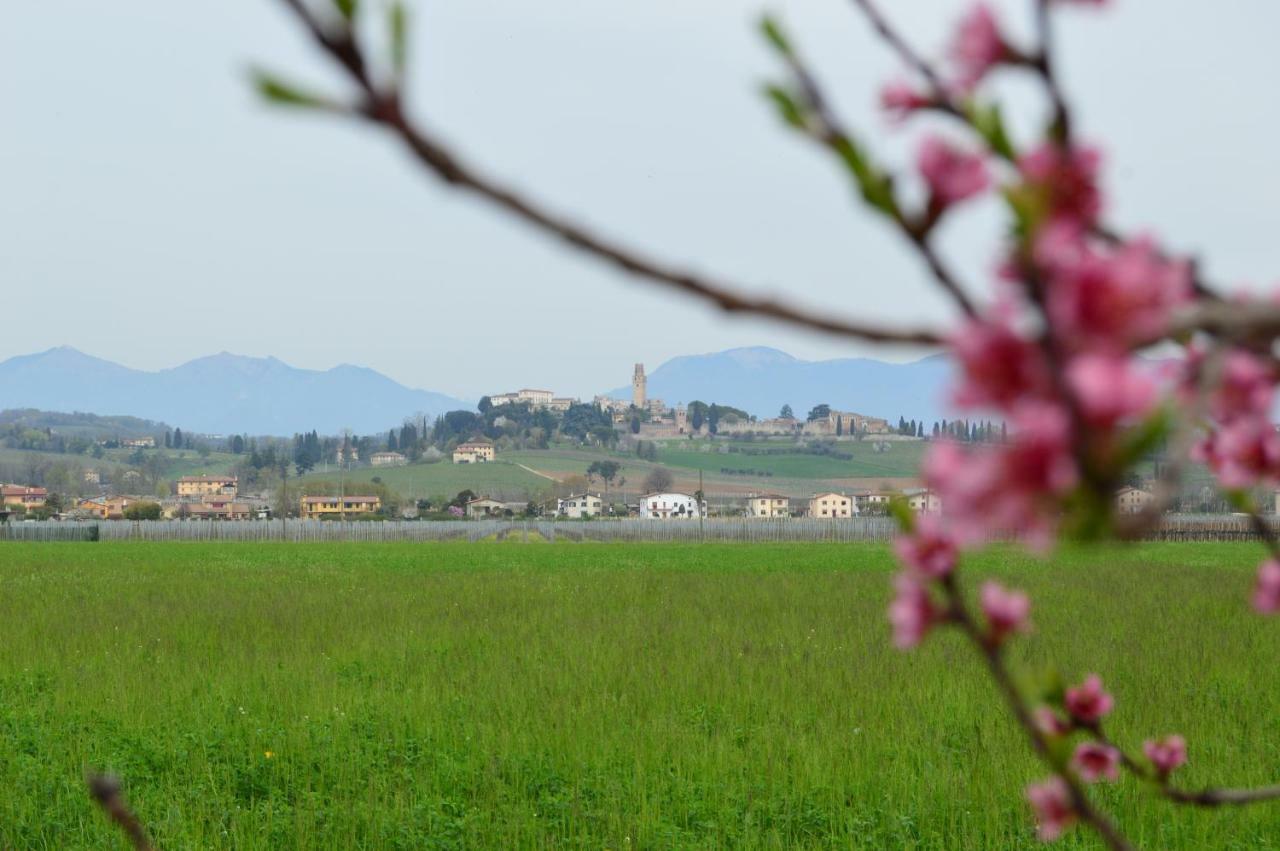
(595, 696)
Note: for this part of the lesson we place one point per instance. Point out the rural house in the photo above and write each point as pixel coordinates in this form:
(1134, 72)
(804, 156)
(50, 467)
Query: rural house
(768, 505)
(1131, 500)
(577, 506)
(923, 500)
(671, 506)
(24, 496)
(483, 506)
(473, 452)
(388, 459)
(320, 507)
(832, 506)
(196, 487)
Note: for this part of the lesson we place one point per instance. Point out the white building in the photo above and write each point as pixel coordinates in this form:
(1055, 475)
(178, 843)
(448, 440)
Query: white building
(671, 506)
(527, 396)
(577, 506)
(923, 500)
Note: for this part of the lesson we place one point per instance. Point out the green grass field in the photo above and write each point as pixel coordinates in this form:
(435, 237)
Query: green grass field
(499, 479)
(901, 460)
(594, 696)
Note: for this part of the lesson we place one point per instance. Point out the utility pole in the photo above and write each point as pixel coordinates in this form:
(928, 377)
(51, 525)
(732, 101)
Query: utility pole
(284, 498)
(702, 501)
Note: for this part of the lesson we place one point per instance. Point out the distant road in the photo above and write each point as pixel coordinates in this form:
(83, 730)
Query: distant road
(535, 472)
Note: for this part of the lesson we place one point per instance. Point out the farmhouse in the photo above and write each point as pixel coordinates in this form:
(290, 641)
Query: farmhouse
(1131, 500)
(24, 496)
(768, 505)
(473, 452)
(319, 507)
(671, 506)
(202, 486)
(577, 506)
(140, 443)
(388, 459)
(832, 506)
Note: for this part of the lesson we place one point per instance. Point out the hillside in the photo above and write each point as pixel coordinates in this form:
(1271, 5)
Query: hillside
(761, 380)
(220, 394)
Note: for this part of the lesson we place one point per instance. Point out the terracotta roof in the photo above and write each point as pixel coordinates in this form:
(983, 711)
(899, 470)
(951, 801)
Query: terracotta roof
(209, 479)
(19, 490)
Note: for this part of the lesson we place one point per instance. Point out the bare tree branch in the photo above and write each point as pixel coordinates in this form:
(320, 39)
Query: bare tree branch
(992, 655)
(385, 109)
(107, 791)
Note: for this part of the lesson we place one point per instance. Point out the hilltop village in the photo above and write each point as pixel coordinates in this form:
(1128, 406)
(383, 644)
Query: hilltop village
(528, 452)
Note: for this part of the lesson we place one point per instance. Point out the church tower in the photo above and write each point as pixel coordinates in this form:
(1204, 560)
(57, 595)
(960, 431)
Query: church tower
(638, 383)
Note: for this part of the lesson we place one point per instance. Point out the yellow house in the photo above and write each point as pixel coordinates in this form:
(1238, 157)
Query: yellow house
(923, 500)
(319, 507)
(198, 486)
(473, 452)
(768, 505)
(104, 507)
(831, 506)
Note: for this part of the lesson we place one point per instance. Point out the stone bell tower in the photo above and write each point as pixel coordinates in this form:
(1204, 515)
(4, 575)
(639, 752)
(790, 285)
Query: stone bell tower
(638, 384)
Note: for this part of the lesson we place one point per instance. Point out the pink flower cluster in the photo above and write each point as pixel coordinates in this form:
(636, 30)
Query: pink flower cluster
(1055, 811)
(976, 47)
(953, 175)
(1088, 703)
(1266, 594)
(1165, 754)
(1243, 447)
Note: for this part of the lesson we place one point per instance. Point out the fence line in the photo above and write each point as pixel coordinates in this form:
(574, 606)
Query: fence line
(721, 529)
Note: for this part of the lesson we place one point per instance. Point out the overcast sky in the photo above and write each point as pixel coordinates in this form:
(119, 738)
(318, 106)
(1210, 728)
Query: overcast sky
(152, 211)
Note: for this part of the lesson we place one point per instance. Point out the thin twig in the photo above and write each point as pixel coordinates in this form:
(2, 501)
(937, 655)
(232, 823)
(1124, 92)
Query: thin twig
(107, 791)
(385, 109)
(1211, 797)
(908, 54)
(1045, 64)
(832, 133)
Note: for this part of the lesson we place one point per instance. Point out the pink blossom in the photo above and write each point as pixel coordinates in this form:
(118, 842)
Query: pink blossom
(1166, 754)
(930, 550)
(1087, 702)
(953, 175)
(1110, 299)
(1245, 387)
(1067, 179)
(976, 47)
(1006, 611)
(998, 366)
(900, 100)
(1110, 388)
(1266, 594)
(1055, 812)
(1242, 453)
(1050, 723)
(1094, 762)
(1014, 487)
(912, 612)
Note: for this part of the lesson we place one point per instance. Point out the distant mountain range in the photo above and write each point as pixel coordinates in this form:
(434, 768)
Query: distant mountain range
(220, 394)
(226, 393)
(761, 380)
